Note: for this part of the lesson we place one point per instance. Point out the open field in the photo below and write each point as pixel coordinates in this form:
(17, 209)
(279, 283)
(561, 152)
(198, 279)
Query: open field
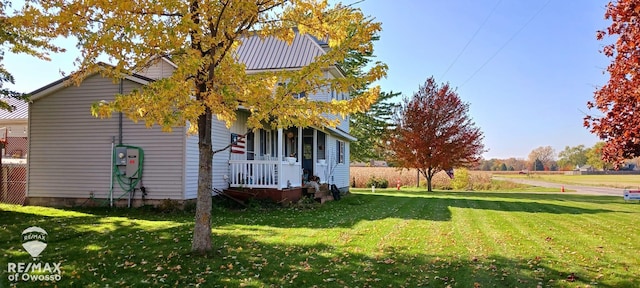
(615, 181)
(478, 180)
(387, 239)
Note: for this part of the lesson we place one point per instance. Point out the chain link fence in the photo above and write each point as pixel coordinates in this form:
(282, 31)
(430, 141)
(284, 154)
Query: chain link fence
(13, 176)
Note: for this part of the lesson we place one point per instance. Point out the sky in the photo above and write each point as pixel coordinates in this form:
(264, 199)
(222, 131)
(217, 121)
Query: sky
(526, 68)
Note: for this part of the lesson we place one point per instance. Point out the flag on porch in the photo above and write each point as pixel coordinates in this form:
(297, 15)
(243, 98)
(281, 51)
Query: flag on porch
(450, 173)
(237, 143)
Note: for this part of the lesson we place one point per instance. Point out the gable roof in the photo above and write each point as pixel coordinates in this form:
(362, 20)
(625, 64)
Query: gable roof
(272, 53)
(62, 83)
(21, 111)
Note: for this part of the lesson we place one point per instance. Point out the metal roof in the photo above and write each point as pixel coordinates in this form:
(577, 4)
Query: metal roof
(21, 111)
(271, 53)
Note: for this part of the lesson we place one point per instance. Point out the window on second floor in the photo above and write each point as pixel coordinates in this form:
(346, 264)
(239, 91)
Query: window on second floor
(299, 95)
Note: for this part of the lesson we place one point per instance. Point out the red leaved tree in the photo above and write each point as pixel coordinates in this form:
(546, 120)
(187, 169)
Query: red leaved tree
(619, 99)
(433, 132)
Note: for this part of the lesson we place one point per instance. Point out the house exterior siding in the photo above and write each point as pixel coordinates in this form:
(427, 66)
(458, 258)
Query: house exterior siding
(191, 167)
(160, 69)
(336, 173)
(221, 138)
(70, 150)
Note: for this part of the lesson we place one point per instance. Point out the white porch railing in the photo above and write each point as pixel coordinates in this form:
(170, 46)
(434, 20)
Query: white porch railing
(264, 174)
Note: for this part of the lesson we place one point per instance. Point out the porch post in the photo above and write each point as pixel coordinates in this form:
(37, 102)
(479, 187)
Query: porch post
(315, 148)
(280, 145)
(280, 159)
(299, 156)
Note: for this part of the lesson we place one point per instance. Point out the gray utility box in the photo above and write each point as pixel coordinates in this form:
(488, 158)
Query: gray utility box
(132, 163)
(128, 160)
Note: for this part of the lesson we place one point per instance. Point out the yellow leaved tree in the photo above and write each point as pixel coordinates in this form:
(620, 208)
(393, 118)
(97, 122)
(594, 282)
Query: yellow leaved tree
(201, 37)
(16, 38)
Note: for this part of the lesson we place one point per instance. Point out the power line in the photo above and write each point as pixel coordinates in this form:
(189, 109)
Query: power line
(471, 39)
(506, 43)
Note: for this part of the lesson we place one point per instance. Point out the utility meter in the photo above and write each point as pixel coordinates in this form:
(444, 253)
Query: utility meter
(121, 156)
(127, 160)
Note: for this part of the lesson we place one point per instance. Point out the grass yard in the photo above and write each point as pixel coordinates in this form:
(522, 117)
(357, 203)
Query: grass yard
(615, 181)
(386, 239)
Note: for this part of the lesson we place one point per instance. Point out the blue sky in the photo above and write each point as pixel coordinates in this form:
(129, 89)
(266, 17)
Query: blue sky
(533, 92)
(527, 73)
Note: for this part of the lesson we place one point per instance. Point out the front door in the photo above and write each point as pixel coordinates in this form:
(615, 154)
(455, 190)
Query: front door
(307, 151)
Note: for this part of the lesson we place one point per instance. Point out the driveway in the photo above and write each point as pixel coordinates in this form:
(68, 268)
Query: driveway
(588, 190)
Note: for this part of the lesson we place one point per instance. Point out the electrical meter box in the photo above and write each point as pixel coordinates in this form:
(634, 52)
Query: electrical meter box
(121, 156)
(127, 160)
(132, 163)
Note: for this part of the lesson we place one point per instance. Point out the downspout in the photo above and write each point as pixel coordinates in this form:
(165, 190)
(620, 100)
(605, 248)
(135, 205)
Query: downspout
(111, 171)
(113, 140)
(120, 91)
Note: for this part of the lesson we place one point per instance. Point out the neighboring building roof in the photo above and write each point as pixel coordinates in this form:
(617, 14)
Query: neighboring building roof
(271, 53)
(21, 111)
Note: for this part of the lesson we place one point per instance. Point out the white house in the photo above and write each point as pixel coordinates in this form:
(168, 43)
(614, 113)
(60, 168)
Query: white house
(74, 156)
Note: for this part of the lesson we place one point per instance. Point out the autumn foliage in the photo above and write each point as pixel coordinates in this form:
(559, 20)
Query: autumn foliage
(617, 100)
(434, 132)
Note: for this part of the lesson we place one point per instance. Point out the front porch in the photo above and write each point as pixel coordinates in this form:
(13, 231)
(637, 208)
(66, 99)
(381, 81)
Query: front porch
(276, 159)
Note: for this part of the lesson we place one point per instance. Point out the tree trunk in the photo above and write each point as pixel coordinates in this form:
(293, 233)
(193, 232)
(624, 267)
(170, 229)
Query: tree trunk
(429, 176)
(202, 231)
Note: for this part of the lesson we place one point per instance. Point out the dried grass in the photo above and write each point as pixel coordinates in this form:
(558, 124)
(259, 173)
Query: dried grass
(479, 180)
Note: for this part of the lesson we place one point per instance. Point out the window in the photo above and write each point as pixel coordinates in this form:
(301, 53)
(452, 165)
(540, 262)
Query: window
(268, 143)
(299, 95)
(322, 144)
(250, 146)
(291, 142)
(340, 151)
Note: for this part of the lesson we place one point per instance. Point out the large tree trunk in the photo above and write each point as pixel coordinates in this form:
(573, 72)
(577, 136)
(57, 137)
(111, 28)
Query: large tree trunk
(429, 177)
(202, 230)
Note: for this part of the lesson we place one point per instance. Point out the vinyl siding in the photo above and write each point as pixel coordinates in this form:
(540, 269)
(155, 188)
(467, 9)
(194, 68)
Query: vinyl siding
(160, 69)
(70, 150)
(191, 167)
(340, 175)
(220, 167)
(221, 138)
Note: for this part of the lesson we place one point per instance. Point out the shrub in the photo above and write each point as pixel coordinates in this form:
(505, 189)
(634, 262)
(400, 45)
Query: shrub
(461, 179)
(169, 206)
(378, 182)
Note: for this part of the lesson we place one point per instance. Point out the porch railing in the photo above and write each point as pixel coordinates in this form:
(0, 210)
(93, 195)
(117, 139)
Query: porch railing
(264, 174)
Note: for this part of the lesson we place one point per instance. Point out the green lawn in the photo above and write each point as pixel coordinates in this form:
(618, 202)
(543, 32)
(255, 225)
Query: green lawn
(386, 239)
(615, 181)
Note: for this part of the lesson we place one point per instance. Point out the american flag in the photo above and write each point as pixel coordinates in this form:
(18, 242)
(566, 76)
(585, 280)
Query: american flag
(449, 173)
(237, 143)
